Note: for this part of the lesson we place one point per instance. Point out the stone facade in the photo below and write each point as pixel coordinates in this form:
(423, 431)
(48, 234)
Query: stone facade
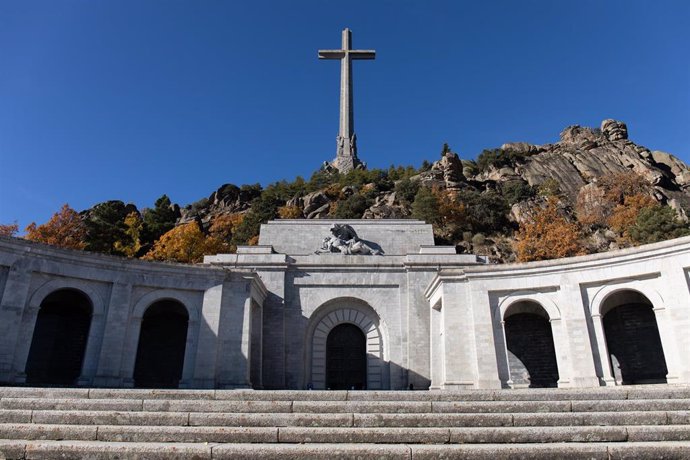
(430, 318)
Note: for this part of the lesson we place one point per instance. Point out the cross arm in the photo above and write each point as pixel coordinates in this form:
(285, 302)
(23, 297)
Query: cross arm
(362, 54)
(331, 54)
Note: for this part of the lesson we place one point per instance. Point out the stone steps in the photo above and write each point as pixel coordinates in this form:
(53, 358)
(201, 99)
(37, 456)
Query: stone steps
(335, 435)
(97, 450)
(627, 422)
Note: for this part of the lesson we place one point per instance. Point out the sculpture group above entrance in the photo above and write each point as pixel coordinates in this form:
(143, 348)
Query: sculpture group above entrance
(344, 240)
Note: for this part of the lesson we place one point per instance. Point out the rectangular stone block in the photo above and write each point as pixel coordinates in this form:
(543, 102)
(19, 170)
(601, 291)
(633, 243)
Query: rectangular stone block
(270, 420)
(70, 404)
(431, 420)
(102, 393)
(624, 418)
(15, 416)
(110, 418)
(501, 406)
(537, 435)
(631, 405)
(362, 406)
(364, 435)
(50, 393)
(218, 406)
(649, 450)
(186, 434)
(546, 419)
(561, 451)
(659, 433)
(311, 451)
(659, 392)
(95, 450)
(281, 395)
(10, 449)
(34, 431)
(680, 417)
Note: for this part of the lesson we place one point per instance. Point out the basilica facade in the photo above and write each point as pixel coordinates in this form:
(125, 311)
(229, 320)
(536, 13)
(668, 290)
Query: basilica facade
(362, 304)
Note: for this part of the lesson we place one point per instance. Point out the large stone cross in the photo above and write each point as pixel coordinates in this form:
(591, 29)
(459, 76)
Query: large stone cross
(346, 153)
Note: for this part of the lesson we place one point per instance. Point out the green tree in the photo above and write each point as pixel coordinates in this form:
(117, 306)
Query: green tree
(105, 225)
(158, 220)
(263, 209)
(426, 207)
(657, 223)
(352, 207)
(406, 190)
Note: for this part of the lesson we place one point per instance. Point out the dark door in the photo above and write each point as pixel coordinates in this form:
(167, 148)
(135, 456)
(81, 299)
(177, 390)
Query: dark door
(633, 338)
(59, 341)
(162, 343)
(346, 358)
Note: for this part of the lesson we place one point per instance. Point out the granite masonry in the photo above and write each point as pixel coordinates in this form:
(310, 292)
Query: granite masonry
(366, 304)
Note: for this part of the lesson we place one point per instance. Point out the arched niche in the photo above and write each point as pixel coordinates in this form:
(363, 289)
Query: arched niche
(530, 346)
(346, 311)
(59, 340)
(162, 342)
(634, 349)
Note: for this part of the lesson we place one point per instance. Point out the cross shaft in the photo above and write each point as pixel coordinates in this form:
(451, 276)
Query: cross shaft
(346, 133)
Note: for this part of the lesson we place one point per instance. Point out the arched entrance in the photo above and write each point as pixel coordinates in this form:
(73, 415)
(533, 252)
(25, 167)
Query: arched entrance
(352, 312)
(346, 358)
(162, 343)
(632, 339)
(531, 352)
(59, 340)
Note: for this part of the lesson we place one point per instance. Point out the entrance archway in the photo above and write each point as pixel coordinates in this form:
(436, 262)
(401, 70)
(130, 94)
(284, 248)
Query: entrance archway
(531, 352)
(346, 358)
(632, 338)
(59, 340)
(162, 343)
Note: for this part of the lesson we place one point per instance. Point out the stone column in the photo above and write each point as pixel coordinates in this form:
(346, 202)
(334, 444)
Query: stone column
(13, 303)
(205, 366)
(606, 377)
(110, 361)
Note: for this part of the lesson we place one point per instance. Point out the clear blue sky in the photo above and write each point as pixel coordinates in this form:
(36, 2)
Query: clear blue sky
(129, 100)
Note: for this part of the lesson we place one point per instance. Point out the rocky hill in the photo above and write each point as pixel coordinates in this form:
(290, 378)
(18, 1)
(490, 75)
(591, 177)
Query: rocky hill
(591, 191)
(512, 182)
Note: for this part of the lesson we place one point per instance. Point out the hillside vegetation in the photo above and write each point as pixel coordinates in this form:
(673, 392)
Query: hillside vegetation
(592, 191)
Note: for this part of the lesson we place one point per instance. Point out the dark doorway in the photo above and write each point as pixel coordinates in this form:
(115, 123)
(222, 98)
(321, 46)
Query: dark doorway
(346, 358)
(634, 345)
(59, 340)
(162, 343)
(531, 356)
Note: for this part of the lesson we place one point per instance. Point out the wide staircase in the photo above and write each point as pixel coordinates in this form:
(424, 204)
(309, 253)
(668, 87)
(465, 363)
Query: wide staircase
(605, 423)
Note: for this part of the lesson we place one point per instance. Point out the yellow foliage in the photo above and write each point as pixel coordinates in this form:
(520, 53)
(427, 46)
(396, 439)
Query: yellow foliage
(548, 235)
(625, 215)
(253, 241)
(186, 243)
(289, 212)
(65, 230)
(134, 226)
(617, 186)
(224, 226)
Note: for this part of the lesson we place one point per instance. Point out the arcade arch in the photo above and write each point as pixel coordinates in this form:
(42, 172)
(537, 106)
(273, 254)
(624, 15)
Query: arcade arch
(325, 327)
(161, 349)
(634, 348)
(60, 337)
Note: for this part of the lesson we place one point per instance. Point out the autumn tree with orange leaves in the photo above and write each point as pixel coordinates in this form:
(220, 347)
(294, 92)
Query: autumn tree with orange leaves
(548, 235)
(8, 229)
(189, 244)
(65, 230)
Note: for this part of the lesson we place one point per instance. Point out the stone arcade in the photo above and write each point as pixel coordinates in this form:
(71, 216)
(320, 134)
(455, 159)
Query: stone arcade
(279, 315)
